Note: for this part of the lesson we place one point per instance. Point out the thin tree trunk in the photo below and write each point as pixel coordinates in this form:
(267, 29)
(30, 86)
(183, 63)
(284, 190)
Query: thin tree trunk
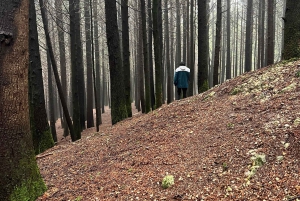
(191, 52)
(150, 35)
(248, 44)
(217, 44)
(228, 58)
(202, 46)
(89, 66)
(62, 56)
(157, 33)
(270, 52)
(145, 56)
(126, 54)
(96, 100)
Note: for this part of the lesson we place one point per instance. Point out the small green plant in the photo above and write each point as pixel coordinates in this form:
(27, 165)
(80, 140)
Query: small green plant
(235, 91)
(78, 198)
(230, 125)
(225, 167)
(167, 181)
(297, 74)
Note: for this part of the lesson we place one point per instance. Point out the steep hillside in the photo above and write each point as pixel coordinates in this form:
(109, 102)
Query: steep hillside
(238, 141)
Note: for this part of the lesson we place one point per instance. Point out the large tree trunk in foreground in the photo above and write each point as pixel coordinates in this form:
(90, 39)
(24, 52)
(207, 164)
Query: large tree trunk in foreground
(20, 178)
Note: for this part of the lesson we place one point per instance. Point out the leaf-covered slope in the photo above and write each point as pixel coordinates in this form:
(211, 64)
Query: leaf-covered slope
(237, 141)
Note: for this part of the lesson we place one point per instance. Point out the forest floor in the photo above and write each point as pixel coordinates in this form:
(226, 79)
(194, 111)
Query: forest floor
(238, 141)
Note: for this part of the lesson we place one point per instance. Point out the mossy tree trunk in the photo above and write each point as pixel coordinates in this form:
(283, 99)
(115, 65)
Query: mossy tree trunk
(42, 139)
(291, 30)
(118, 102)
(20, 178)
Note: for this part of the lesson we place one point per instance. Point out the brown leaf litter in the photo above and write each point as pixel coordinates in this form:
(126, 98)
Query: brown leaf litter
(207, 142)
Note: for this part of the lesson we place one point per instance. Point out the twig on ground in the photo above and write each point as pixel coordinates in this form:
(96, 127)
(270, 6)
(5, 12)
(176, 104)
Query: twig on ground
(42, 156)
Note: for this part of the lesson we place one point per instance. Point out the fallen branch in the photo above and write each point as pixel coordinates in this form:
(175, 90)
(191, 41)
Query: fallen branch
(294, 198)
(42, 156)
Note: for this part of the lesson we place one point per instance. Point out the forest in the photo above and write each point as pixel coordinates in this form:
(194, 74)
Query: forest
(72, 62)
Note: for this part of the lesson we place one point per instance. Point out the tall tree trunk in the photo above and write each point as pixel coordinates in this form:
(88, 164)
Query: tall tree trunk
(55, 71)
(140, 64)
(76, 64)
(292, 33)
(217, 44)
(157, 34)
(126, 55)
(118, 102)
(191, 52)
(19, 171)
(42, 139)
(51, 99)
(178, 33)
(97, 60)
(145, 56)
(248, 44)
(89, 66)
(202, 46)
(228, 58)
(167, 54)
(271, 37)
(260, 36)
(150, 52)
(96, 100)
(184, 29)
(62, 56)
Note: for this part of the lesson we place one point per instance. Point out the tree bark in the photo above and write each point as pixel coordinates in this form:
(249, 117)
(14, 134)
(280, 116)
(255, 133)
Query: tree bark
(89, 66)
(42, 139)
(248, 44)
(145, 56)
(20, 178)
(126, 55)
(217, 44)
(270, 36)
(76, 65)
(202, 46)
(150, 52)
(228, 52)
(158, 48)
(118, 102)
(62, 57)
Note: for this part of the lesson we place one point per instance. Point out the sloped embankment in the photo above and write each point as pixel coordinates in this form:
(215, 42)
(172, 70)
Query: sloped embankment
(237, 141)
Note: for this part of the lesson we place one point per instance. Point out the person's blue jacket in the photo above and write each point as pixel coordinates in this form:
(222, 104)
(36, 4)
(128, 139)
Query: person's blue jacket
(182, 77)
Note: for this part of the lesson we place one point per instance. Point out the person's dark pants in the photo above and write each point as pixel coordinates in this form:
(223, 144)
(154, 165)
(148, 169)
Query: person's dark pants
(179, 92)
